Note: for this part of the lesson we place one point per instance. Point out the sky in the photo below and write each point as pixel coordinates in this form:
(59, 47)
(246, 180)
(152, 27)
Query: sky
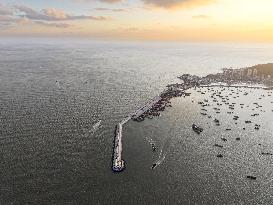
(163, 20)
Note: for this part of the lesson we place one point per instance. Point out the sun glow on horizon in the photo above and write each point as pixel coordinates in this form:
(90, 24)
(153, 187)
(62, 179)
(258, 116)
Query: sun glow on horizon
(212, 20)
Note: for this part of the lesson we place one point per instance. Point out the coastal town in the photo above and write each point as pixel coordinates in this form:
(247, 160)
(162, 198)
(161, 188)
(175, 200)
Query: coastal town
(243, 77)
(256, 75)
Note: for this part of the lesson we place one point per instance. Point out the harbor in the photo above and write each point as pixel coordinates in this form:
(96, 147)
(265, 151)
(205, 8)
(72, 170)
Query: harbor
(150, 109)
(159, 103)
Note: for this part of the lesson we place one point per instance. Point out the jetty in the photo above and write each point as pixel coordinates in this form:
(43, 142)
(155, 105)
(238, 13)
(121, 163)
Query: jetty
(150, 109)
(146, 107)
(118, 164)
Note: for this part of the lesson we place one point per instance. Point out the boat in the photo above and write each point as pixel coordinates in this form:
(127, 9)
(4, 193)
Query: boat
(154, 165)
(251, 177)
(197, 129)
(95, 126)
(154, 147)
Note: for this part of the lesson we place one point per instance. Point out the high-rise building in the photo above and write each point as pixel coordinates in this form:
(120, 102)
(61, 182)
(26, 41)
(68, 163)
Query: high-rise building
(249, 73)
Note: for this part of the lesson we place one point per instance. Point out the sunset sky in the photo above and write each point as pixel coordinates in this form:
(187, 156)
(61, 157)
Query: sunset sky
(172, 20)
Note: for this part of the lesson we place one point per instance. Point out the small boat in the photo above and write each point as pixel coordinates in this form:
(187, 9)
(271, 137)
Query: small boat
(251, 177)
(154, 147)
(197, 129)
(154, 165)
(95, 126)
(215, 120)
(217, 145)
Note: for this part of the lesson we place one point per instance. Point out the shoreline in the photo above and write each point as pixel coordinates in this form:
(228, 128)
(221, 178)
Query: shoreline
(159, 103)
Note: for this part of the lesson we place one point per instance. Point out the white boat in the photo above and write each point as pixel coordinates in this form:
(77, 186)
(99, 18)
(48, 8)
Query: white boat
(96, 126)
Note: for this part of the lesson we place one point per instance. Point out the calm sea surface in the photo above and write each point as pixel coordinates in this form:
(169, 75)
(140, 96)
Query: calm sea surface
(53, 92)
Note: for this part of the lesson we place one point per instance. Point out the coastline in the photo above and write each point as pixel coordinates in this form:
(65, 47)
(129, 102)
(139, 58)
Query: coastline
(230, 78)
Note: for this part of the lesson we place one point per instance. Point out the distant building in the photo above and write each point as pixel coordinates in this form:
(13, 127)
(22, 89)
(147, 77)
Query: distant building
(268, 80)
(243, 73)
(255, 72)
(249, 73)
(237, 74)
(227, 72)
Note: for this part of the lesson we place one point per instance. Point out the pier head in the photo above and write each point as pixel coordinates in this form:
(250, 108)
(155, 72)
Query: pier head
(118, 163)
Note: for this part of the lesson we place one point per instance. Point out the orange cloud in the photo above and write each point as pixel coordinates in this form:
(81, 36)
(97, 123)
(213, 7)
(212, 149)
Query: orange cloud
(167, 4)
(175, 4)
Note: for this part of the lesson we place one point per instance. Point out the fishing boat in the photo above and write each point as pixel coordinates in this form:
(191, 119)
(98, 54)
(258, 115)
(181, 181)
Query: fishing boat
(197, 129)
(154, 165)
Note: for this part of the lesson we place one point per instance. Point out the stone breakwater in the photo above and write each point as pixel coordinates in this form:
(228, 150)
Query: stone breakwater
(152, 108)
(118, 162)
(160, 105)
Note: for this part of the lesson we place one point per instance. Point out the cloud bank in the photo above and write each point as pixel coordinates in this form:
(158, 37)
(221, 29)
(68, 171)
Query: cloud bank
(10, 16)
(107, 9)
(4, 10)
(110, 1)
(167, 4)
(52, 14)
(56, 25)
(170, 4)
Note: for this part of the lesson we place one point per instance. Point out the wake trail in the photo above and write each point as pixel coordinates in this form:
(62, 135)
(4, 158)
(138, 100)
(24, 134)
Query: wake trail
(95, 127)
(150, 141)
(164, 151)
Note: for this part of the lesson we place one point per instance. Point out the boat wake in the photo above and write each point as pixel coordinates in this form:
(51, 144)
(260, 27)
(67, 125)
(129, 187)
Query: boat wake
(96, 126)
(150, 141)
(163, 152)
(161, 158)
(58, 84)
